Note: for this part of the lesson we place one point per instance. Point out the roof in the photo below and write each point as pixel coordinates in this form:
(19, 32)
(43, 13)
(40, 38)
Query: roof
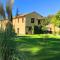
(29, 13)
(25, 14)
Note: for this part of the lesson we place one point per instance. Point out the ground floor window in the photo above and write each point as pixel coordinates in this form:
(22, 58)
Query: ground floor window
(30, 28)
(18, 30)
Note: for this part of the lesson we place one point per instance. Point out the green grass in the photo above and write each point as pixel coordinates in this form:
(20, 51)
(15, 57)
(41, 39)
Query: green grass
(38, 47)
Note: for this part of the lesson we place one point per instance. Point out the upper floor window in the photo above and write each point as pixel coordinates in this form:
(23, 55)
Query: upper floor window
(32, 20)
(22, 20)
(18, 20)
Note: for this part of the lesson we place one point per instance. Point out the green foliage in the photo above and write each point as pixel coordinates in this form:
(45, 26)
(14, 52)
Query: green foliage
(2, 11)
(43, 24)
(9, 30)
(53, 20)
(56, 19)
(7, 43)
(49, 18)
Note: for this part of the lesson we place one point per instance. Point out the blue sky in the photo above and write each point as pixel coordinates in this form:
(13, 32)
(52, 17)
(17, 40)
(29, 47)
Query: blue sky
(43, 7)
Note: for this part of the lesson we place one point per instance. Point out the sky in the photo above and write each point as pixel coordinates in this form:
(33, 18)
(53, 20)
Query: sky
(43, 7)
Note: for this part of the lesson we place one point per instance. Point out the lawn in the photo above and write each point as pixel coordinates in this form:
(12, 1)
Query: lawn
(38, 47)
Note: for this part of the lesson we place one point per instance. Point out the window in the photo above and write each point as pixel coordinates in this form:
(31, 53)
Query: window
(30, 28)
(18, 20)
(38, 21)
(18, 30)
(32, 20)
(22, 20)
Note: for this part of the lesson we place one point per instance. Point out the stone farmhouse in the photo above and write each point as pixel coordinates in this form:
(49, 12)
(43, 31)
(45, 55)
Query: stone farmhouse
(24, 23)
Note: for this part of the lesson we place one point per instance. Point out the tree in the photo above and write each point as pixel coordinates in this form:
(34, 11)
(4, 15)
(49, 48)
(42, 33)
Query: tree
(2, 11)
(56, 20)
(48, 18)
(7, 44)
(17, 12)
(43, 24)
(53, 22)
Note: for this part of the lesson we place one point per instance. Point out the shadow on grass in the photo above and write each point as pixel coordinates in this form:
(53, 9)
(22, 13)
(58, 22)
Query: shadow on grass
(38, 48)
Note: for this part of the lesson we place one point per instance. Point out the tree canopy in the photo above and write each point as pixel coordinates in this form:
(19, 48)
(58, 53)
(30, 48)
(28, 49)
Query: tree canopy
(56, 19)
